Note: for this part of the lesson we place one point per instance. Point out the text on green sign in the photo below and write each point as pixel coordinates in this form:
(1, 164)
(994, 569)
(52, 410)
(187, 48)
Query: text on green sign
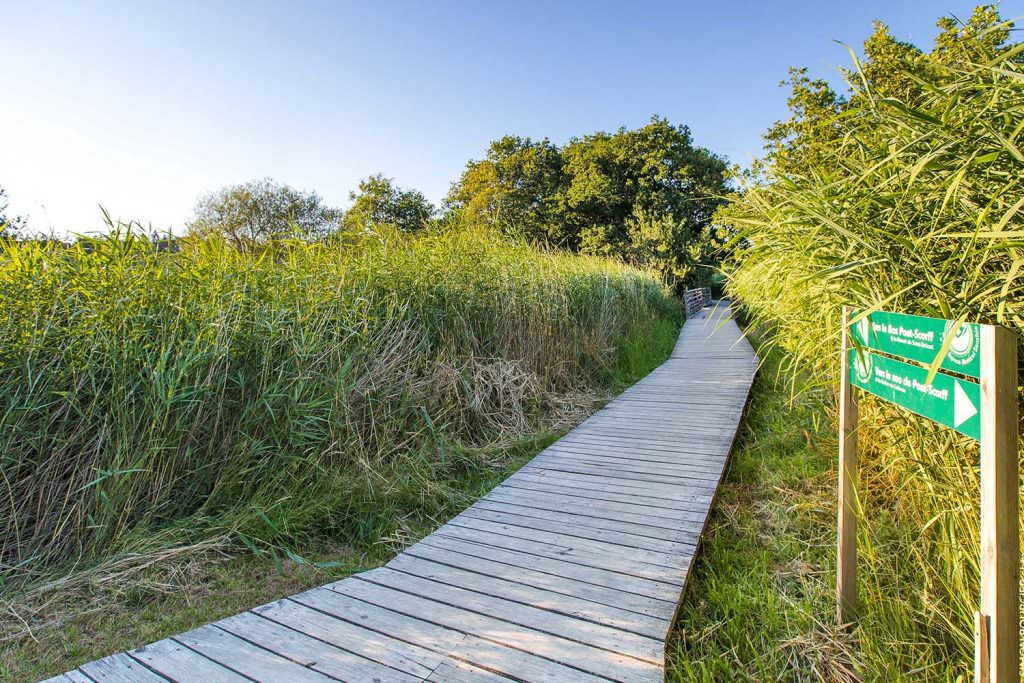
(919, 338)
(948, 400)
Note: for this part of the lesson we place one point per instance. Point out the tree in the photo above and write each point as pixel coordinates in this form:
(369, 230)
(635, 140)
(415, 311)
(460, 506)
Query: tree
(9, 224)
(646, 195)
(516, 185)
(259, 211)
(803, 146)
(380, 202)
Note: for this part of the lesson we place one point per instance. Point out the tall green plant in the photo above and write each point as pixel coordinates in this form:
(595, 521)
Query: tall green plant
(905, 194)
(151, 397)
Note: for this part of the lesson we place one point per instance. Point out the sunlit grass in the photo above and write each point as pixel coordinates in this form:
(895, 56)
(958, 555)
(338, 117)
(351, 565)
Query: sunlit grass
(918, 210)
(159, 403)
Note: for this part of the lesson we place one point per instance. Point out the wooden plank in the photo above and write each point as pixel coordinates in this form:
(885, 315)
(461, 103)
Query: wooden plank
(642, 557)
(385, 622)
(556, 567)
(542, 644)
(678, 448)
(179, 663)
(584, 468)
(612, 464)
(427, 633)
(367, 643)
(982, 648)
(454, 671)
(667, 415)
(671, 427)
(405, 618)
(245, 658)
(536, 618)
(567, 604)
(312, 653)
(671, 421)
(587, 522)
(663, 462)
(664, 516)
(667, 494)
(846, 565)
(648, 610)
(672, 457)
(591, 508)
(539, 522)
(75, 676)
(1000, 490)
(598, 488)
(120, 668)
(620, 563)
(710, 437)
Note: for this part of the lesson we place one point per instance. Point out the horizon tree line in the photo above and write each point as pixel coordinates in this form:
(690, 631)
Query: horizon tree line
(646, 196)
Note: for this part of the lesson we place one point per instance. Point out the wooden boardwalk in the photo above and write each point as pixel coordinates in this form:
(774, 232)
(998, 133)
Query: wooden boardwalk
(570, 570)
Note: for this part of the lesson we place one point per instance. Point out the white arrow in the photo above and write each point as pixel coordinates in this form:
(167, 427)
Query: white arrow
(963, 409)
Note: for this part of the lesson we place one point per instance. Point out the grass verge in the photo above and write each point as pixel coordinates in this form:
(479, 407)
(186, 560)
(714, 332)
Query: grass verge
(759, 602)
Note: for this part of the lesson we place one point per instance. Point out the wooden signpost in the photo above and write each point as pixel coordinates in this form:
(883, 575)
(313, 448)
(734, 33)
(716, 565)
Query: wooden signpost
(974, 391)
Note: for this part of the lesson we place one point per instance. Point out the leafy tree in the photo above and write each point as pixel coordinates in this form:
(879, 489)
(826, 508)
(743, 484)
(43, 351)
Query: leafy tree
(646, 195)
(9, 224)
(259, 211)
(803, 146)
(517, 185)
(380, 202)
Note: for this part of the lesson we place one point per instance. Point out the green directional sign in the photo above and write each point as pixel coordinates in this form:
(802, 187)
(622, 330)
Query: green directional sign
(918, 338)
(947, 400)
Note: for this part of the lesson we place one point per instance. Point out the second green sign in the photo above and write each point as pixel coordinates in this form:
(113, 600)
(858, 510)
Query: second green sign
(947, 400)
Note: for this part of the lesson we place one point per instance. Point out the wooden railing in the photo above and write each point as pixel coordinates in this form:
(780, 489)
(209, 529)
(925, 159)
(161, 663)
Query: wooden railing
(696, 299)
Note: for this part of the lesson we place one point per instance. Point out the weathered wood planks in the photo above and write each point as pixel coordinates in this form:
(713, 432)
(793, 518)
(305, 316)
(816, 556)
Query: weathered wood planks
(570, 570)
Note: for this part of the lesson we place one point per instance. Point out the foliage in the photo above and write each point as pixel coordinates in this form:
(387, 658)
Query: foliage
(645, 196)
(259, 211)
(9, 225)
(759, 595)
(378, 202)
(903, 193)
(95, 613)
(303, 390)
(517, 186)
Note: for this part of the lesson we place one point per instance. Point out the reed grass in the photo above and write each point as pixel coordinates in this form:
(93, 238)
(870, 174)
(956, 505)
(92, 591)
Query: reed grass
(153, 400)
(918, 209)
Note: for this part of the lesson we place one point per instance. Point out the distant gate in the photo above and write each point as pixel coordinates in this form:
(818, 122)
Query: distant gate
(696, 299)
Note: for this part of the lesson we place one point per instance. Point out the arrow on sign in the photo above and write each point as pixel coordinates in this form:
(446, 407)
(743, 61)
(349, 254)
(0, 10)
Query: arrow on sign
(963, 409)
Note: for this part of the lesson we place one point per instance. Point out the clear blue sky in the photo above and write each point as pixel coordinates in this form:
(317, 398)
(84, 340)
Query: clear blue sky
(143, 106)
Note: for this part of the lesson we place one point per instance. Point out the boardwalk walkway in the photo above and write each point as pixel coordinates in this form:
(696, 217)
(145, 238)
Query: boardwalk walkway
(570, 570)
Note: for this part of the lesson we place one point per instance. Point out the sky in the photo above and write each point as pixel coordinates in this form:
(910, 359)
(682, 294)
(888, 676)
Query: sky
(142, 107)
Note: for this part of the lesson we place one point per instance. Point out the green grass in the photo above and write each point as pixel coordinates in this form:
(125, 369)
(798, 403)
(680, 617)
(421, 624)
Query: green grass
(759, 602)
(112, 614)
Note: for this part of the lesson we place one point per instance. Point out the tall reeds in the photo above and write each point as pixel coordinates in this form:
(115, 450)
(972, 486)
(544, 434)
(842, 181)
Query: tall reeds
(918, 209)
(150, 397)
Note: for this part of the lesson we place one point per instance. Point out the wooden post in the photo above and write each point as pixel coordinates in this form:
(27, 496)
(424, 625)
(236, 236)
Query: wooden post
(846, 571)
(1000, 490)
(982, 667)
